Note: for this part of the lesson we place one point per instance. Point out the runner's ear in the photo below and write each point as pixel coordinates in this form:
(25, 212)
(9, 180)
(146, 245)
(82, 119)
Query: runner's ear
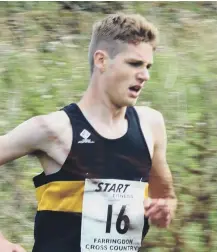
(100, 59)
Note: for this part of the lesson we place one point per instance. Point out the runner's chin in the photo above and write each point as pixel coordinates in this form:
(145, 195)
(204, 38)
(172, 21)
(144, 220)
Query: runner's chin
(129, 101)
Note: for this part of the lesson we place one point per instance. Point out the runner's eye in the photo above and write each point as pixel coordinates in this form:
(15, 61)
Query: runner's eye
(149, 66)
(136, 63)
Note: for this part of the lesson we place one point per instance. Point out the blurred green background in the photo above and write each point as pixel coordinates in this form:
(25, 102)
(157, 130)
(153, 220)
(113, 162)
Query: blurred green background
(43, 66)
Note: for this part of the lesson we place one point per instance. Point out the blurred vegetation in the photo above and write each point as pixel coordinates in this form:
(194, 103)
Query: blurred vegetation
(43, 66)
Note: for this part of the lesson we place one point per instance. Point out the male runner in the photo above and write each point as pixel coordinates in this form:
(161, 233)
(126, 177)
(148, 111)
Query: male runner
(105, 176)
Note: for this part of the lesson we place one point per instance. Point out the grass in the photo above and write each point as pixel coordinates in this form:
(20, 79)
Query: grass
(41, 72)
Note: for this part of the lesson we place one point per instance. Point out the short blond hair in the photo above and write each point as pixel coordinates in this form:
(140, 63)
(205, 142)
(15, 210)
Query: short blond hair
(120, 27)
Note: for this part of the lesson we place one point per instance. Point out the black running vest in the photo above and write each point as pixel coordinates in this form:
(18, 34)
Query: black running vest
(59, 195)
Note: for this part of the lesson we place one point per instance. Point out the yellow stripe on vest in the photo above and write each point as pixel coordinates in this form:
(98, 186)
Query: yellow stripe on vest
(63, 196)
(146, 191)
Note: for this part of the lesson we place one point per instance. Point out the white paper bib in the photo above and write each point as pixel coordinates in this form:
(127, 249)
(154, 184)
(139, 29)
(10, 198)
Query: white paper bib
(112, 215)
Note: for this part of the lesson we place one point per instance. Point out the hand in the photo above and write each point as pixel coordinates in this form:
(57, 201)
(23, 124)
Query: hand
(158, 212)
(6, 246)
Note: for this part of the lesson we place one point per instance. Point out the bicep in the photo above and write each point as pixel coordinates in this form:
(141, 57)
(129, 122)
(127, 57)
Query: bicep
(22, 140)
(160, 183)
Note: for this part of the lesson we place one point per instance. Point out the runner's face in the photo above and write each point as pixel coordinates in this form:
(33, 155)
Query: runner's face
(127, 73)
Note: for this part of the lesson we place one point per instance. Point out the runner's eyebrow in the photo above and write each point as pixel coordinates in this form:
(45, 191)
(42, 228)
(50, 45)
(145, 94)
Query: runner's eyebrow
(139, 61)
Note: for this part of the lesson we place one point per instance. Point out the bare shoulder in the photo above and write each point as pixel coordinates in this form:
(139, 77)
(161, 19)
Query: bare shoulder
(56, 126)
(153, 116)
(54, 121)
(33, 135)
(150, 119)
(153, 120)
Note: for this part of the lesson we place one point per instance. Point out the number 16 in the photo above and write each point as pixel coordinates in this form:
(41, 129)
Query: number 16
(121, 217)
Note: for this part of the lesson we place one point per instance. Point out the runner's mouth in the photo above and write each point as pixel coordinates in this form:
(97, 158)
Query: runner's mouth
(135, 88)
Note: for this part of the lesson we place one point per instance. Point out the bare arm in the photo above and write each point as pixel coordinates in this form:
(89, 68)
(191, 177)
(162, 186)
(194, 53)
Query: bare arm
(26, 138)
(6, 246)
(161, 182)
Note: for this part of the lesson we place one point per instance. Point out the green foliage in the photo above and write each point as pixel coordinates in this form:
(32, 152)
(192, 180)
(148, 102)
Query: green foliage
(44, 66)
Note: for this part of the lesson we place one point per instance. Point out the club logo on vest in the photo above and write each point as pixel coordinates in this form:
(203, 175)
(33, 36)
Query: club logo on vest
(85, 135)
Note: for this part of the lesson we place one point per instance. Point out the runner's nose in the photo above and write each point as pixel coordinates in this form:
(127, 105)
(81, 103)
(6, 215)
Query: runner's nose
(143, 76)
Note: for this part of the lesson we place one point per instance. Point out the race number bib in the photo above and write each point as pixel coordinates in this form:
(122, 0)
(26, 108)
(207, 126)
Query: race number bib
(112, 215)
